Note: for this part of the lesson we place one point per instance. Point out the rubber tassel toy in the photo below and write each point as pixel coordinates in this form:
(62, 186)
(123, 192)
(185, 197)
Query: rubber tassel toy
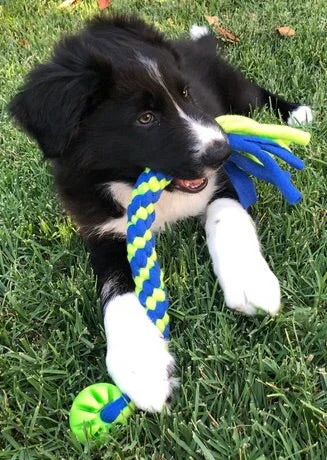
(253, 145)
(100, 405)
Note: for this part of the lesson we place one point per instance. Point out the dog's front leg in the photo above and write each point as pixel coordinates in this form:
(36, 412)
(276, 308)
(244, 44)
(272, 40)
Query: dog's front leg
(248, 283)
(137, 356)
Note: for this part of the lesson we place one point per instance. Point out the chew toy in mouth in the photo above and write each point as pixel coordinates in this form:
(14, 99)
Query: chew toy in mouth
(191, 186)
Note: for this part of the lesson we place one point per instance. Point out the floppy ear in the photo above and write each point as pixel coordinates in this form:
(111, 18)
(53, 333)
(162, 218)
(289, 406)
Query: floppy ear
(57, 95)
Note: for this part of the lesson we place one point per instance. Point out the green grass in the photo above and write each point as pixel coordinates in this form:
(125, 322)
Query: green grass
(251, 388)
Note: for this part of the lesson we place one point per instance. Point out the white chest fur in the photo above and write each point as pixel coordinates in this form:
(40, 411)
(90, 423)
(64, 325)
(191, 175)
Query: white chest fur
(171, 207)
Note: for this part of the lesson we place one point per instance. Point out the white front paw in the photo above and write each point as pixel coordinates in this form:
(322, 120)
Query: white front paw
(137, 356)
(251, 287)
(248, 283)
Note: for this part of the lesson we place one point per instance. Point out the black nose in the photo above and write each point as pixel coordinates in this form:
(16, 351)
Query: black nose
(216, 153)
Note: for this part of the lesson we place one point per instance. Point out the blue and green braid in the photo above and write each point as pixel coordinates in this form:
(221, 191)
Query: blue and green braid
(99, 405)
(141, 251)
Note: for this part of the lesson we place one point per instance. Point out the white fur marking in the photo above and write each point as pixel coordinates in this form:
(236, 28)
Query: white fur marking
(153, 70)
(301, 116)
(197, 32)
(203, 134)
(137, 357)
(171, 207)
(110, 287)
(244, 275)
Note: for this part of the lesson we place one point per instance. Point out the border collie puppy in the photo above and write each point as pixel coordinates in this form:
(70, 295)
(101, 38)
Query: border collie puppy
(116, 98)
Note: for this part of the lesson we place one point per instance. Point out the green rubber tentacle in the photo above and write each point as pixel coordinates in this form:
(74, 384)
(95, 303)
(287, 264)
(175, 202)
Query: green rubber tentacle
(281, 134)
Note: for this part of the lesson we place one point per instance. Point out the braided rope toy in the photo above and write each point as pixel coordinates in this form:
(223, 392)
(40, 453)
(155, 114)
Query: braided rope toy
(100, 405)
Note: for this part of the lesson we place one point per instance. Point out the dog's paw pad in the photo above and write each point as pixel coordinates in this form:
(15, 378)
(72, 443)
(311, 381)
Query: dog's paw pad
(301, 116)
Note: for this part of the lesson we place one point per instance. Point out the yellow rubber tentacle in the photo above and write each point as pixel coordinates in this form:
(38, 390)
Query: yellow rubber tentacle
(238, 124)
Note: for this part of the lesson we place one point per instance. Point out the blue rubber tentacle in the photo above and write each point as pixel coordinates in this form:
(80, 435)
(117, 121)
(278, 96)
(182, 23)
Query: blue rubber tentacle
(243, 185)
(275, 149)
(269, 170)
(250, 166)
(285, 155)
(243, 143)
(279, 177)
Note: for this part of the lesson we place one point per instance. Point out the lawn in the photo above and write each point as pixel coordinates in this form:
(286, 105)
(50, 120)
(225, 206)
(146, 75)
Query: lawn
(250, 388)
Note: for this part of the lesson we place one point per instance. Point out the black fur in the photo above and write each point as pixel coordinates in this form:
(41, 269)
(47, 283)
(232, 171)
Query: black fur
(82, 108)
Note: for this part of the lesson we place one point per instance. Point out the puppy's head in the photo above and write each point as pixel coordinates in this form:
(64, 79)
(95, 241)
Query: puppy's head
(115, 98)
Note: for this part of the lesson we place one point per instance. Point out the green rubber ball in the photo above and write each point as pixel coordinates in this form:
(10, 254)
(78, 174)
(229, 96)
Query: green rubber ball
(84, 417)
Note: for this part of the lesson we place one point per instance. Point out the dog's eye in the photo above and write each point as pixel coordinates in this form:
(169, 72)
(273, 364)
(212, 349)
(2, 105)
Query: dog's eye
(146, 118)
(186, 92)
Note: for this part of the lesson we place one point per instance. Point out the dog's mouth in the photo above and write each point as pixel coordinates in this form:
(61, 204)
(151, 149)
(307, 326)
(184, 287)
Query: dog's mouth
(190, 186)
